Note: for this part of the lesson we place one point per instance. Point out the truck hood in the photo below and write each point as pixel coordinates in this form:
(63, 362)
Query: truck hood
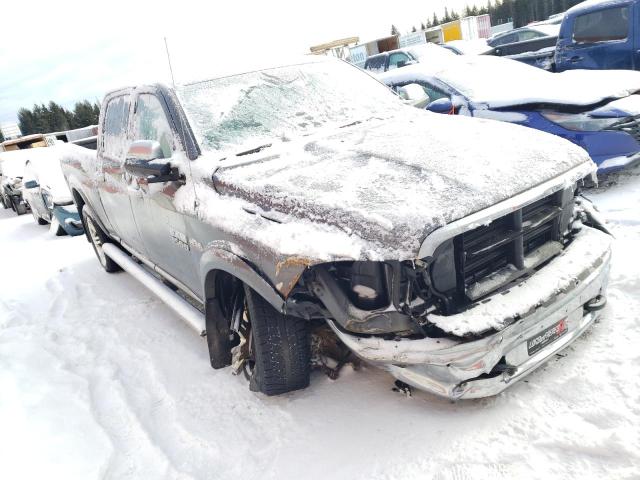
(383, 185)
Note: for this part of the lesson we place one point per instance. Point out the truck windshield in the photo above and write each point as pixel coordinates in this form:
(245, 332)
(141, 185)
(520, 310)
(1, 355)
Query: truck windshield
(253, 109)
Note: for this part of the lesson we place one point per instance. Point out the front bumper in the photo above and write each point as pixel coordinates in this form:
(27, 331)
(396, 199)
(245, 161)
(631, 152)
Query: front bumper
(458, 368)
(610, 164)
(69, 219)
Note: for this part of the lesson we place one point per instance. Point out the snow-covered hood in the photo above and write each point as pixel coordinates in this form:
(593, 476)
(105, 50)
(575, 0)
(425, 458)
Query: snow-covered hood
(390, 183)
(500, 83)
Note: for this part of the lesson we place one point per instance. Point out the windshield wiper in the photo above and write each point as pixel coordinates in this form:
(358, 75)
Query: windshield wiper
(254, 150)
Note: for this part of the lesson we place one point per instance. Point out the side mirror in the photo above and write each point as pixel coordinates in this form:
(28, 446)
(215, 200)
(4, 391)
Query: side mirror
(144, 160)
(31, 184)
(145, 150)
(414, 95)
(442, 105)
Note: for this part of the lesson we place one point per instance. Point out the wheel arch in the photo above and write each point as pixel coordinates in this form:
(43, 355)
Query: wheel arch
(217, 261)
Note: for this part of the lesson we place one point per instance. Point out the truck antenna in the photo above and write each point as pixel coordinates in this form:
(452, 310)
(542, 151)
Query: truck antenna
(166, 46)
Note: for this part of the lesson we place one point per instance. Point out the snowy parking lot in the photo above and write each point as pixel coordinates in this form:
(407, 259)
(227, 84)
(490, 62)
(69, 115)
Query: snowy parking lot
(98, 379)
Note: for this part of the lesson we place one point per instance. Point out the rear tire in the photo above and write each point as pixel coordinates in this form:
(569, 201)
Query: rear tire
(19, 208)
(98, 238)
(282, 348)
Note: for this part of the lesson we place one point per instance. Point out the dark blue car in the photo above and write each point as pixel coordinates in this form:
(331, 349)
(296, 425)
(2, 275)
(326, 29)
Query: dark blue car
(597, 110)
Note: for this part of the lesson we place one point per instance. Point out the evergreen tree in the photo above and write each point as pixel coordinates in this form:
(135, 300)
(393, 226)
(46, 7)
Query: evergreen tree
(414, 29)
(435, 20)
(422, 26)
(1, 137)
(26, 121)
(84, 114)
(447, 17)
(394, 30)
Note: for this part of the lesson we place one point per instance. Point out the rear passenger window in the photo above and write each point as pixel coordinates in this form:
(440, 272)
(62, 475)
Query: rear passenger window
(151, 123)
(114, 133)
(376, 64)
(602, 26)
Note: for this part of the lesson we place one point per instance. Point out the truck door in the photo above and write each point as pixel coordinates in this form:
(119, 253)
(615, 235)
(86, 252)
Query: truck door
(115, 184)
(162, 227)
(598, 39)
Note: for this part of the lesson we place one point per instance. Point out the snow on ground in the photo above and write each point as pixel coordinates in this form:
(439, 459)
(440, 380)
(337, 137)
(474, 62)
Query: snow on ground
(99, 380)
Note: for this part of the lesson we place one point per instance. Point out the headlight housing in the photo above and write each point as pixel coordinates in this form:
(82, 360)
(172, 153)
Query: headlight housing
(580, 121)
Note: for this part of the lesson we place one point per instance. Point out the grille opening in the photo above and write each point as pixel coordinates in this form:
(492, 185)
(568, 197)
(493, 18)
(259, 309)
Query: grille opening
(494, 254)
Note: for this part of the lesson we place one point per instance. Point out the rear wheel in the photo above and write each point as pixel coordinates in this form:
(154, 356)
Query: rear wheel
(98, 238)
(19, 207)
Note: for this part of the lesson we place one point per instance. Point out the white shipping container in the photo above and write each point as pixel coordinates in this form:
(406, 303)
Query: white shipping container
(473, 28)
(10, 131)
(413, 38)
(469, 28)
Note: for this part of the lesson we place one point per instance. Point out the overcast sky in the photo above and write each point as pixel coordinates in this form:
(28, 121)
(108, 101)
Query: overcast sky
(73, 50)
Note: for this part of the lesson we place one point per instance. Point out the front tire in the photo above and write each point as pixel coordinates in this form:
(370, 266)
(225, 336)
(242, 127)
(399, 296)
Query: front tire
(98, 238)
(281, 348)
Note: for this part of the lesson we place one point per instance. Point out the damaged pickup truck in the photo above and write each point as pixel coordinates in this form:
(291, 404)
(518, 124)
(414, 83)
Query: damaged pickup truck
(456, 253)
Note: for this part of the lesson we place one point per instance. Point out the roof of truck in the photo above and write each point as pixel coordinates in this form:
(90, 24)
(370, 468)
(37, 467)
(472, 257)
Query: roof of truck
(589, 5)
(254, 65)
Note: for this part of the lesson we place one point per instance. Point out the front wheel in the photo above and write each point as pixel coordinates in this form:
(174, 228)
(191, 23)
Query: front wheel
(279, 348)
(98, 238)
(37, 218)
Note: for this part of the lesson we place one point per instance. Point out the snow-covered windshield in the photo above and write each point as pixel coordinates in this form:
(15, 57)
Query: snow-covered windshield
(253, 109)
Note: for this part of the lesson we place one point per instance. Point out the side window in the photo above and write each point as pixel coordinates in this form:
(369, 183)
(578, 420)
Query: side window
(510, 38)
(114, 133)
(602, 26)
(151, 123)
(375, 64)
(434, 92)
(529, 35)
(397, 60)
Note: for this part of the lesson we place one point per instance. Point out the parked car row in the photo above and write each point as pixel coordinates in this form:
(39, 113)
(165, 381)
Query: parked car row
(31, 177)
(597, 110)
(307, 200)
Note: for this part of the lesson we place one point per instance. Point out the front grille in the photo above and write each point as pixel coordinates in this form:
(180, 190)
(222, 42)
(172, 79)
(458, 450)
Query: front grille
(630, 125)
(503, 246)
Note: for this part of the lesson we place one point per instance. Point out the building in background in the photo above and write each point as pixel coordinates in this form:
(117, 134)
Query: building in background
(10, 131)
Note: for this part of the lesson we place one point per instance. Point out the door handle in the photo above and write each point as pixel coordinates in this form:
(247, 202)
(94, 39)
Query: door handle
(575, 58)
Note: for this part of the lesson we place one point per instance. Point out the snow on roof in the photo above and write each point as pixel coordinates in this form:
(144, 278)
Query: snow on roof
(470, 47)
(44, 167)
(500, 82)
(552, 30)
